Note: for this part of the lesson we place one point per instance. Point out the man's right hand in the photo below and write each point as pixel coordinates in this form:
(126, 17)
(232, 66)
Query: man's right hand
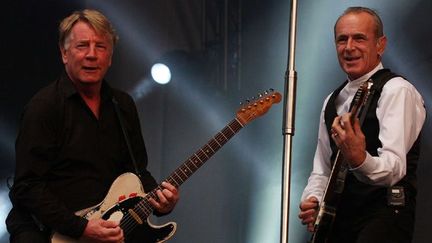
(308, 211)
(99, 230)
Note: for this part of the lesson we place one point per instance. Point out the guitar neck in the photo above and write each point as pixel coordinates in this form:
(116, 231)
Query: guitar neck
(333, 188)
(194, 162)
(337, 180)
(202, 155)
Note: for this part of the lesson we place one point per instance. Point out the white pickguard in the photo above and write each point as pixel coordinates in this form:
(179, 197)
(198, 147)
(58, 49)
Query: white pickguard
(126, 184)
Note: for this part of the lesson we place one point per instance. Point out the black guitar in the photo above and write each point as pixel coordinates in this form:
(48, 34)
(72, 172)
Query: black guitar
(332, 193)
(126, 200)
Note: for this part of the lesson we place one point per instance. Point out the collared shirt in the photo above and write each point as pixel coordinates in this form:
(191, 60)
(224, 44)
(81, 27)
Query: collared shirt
(66, 158)
(401, 115)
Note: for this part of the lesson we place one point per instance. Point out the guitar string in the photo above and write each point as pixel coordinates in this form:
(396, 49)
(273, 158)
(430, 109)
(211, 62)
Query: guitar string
(129, 222)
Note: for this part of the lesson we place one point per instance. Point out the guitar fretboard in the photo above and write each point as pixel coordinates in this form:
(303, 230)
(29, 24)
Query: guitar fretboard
(193, 163)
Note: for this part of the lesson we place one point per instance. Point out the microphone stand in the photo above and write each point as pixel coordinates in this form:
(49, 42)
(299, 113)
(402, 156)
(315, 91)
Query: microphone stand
(288, 124)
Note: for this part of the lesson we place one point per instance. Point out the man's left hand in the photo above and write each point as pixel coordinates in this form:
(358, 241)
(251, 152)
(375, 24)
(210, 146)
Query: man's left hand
(349, 139)
(167, 198)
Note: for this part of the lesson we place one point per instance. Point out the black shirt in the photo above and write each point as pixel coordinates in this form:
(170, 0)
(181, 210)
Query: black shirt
(66, 158)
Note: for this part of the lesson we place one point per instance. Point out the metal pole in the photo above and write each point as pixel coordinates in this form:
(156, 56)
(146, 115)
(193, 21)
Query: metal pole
(288, 124)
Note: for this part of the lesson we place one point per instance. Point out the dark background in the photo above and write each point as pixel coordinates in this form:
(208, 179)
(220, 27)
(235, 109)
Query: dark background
(222, 52)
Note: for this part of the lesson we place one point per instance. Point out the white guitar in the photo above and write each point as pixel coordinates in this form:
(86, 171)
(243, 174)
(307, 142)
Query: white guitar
(126, 200)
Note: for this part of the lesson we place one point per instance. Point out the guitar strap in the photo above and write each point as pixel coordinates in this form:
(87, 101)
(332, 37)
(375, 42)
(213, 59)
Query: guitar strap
(126, 136)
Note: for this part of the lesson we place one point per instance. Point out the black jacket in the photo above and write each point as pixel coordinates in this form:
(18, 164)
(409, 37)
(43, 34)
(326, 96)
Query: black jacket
(66, 158)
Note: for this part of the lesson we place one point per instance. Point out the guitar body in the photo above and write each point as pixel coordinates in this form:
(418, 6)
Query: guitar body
(128, 187)
(323, 224)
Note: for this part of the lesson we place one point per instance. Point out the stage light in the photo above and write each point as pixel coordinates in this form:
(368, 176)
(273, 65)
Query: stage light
(161, 73)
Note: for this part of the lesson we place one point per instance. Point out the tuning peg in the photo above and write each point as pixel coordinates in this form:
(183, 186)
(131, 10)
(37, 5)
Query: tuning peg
(247, 101)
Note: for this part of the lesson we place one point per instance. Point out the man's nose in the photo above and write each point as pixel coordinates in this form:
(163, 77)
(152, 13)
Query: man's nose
(349, 44)
(91, 53)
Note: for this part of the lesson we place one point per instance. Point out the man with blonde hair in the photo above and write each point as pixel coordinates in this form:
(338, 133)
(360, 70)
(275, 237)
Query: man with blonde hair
(71, 145)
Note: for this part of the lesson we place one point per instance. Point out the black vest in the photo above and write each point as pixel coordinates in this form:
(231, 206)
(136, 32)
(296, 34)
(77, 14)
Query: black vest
(358, 196)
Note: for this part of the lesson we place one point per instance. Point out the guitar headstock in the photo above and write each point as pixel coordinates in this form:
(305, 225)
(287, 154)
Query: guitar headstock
(360, 98)
(258, 107)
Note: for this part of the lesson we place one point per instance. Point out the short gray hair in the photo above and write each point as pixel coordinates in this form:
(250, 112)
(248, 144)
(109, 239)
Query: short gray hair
(379, 28)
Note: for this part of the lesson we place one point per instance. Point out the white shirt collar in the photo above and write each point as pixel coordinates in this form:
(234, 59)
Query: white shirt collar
(367, 75)
(343, 101)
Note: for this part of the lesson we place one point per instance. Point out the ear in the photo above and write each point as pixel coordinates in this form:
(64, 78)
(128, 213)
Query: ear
(63, 54)
(381, 45)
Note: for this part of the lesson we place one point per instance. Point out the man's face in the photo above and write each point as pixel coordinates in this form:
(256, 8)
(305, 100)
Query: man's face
(86, 54)
(357, 46)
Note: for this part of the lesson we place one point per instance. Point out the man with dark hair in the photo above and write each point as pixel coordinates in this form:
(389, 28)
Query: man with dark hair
(381, 154)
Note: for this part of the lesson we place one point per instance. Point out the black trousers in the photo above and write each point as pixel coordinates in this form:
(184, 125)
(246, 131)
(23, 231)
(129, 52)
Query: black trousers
(33, 236)
(386, 225)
